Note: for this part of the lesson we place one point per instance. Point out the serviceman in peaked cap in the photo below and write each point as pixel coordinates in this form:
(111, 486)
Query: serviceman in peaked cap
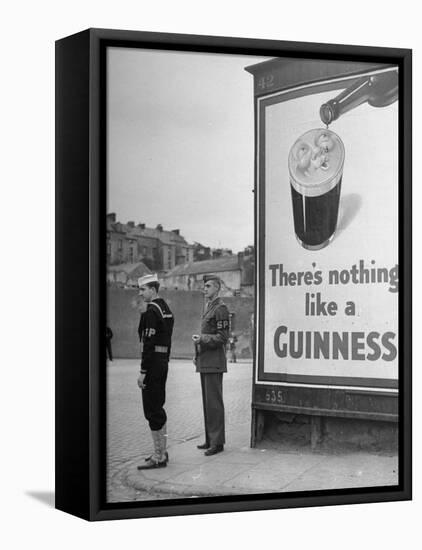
(210, 360)
(155, 332)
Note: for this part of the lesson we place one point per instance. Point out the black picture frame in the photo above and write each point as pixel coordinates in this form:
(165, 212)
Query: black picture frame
(80, 272)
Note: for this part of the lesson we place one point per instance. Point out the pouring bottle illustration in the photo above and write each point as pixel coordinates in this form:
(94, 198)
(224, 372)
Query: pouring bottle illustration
(378, 90)
(316, 160)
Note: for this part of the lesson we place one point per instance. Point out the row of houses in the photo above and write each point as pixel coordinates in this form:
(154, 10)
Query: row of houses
(236, 273)
(136, 250)
(157, 248)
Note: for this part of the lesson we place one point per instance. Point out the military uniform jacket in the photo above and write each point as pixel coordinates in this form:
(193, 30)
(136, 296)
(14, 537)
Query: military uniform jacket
(210, 352)
(155, 331)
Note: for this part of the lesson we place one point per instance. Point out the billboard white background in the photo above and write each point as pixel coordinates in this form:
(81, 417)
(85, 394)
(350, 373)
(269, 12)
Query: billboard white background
(367, 230)
(27, 404)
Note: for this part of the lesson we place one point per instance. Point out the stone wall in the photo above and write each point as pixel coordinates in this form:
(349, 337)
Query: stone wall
(334, 433)
(124, 309)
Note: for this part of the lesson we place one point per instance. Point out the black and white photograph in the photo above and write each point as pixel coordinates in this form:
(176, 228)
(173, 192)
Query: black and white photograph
(210, 288)
(252, 241)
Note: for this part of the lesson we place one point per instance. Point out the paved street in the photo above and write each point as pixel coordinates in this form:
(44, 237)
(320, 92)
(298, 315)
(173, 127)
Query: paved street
(239, 469)
(128, 435)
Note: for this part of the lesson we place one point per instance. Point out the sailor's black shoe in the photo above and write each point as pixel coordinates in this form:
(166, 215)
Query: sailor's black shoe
(150, 464)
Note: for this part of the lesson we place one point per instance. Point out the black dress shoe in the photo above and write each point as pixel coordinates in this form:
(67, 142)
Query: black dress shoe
(214, 450)
(203, 446)
(151, 464)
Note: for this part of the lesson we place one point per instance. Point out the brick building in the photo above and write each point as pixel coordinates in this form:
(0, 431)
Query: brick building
(236, 273)
(157, 248)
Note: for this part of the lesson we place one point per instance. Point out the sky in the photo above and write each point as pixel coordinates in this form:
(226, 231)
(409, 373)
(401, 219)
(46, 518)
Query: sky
(180, 129)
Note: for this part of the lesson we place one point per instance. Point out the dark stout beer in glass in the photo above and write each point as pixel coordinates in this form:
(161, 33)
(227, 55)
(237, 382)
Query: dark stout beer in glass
(316, 169)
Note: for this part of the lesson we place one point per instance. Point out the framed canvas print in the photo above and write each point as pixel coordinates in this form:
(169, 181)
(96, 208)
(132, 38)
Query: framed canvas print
(233, 274)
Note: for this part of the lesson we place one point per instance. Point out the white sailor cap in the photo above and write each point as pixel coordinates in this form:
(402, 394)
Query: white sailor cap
(150, 278)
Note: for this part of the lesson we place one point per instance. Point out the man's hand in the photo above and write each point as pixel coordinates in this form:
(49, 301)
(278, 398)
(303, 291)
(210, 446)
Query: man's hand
(141, 379)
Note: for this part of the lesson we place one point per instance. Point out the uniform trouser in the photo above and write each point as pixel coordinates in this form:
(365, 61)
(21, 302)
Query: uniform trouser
(212, 400)
(154, 393)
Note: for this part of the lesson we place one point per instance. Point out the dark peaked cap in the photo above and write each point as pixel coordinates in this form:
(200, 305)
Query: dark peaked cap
(211, 277)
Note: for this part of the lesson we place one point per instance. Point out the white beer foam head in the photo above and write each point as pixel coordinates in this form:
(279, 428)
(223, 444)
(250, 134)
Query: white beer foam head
(316, 162)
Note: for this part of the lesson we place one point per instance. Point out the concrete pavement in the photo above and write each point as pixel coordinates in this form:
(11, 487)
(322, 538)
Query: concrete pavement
(242, 470)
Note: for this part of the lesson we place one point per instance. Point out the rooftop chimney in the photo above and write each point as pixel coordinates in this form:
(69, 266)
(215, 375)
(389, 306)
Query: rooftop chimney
(159, 227)
(131, 224)
(176, 231)
(141, 225)
(240, 259)
(111, 217)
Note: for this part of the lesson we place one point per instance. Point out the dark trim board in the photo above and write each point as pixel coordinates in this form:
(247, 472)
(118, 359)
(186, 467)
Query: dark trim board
(341, 403)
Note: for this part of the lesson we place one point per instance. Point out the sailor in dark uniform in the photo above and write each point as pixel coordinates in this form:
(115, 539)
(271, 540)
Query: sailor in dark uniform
(155, 332)
(210, 360)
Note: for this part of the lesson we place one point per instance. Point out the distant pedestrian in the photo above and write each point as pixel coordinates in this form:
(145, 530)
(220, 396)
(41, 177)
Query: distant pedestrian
(210, 360)
(155, 332)
(109, 336)
(231, 345)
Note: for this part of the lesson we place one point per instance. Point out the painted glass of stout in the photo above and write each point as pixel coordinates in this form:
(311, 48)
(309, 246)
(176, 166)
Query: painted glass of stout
(316, 169)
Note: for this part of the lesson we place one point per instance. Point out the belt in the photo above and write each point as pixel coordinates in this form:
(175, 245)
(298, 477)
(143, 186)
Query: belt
(161, 349)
